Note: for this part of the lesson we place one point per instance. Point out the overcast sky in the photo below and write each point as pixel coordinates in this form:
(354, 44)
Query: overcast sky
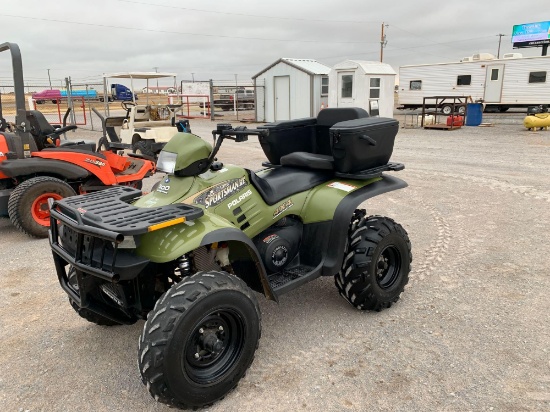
(218, 39)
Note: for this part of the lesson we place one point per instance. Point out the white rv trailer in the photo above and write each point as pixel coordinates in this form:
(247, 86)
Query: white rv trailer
(513, 81)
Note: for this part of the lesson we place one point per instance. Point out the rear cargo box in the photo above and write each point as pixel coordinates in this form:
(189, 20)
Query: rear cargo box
(288, 137)
(362, 143)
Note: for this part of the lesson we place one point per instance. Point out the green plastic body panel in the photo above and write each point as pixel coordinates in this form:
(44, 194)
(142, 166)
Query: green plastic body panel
(226, 196)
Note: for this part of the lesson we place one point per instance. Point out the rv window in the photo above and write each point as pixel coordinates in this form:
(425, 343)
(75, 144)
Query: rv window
(374, 88)
(537, 77)
(494, 74)
(324, 86)
(416, 85)
(465, 80)
(347, 85)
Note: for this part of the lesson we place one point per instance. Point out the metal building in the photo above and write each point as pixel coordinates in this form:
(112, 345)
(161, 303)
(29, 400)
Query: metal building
(294, 88)
(365, 84)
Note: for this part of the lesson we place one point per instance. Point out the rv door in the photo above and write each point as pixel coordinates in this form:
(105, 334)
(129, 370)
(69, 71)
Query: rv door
(493, 83)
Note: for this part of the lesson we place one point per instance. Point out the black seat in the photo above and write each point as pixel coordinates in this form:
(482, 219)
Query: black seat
(43, 132)
(308, 161)
(276, 184)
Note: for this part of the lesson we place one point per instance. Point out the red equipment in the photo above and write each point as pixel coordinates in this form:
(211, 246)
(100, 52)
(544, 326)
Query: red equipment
(35, 166)
(456, 120)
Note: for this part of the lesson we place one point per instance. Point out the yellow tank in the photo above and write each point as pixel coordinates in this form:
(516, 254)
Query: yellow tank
(537, 121)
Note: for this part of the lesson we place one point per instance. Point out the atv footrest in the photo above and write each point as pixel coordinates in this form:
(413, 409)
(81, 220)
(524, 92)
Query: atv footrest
(372, 173)
(279, 279)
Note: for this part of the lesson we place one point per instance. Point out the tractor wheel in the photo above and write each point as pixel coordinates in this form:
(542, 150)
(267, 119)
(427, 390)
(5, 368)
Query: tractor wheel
(199, 340)
(143, 148)
(376, 264)
(28, 203)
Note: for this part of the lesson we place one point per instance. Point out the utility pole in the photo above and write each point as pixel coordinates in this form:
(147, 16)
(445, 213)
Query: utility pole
(156, 71)
(500, 36)
(193, 76)
(383, 42)
(49, 79)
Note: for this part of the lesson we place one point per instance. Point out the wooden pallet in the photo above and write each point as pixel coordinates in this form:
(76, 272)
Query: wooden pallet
(441, 126)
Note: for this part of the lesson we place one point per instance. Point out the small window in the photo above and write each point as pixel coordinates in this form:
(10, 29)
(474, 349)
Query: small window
(416, 85)
(494, 74)
(324, 86)
(464, 80)
(537, 77)
(374, 88)
(347, 85)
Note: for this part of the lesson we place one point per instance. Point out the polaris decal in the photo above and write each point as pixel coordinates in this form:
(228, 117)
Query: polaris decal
(218, 193)
(240, 199)
(94, 162)
(282, 208)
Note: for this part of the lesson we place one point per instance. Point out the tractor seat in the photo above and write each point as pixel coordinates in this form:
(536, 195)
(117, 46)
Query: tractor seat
(279, 183)
(80, 144)
(308, 161)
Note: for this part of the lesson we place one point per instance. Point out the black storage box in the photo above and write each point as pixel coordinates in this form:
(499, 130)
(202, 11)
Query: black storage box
(362, 144)
(288, 136)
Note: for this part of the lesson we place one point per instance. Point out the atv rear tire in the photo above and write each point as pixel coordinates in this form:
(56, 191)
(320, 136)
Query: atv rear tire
(199, 340)
(376, 264)
(28, 204)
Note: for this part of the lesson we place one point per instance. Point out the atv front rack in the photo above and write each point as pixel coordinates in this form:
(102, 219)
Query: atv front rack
(86, 232)
(109, 211)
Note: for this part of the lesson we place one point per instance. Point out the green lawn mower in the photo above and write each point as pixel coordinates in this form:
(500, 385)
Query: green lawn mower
(189, 256)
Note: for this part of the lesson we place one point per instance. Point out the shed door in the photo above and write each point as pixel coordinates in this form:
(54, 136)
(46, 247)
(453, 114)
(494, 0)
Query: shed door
(346, 90)
(493, 83)
(282, 98)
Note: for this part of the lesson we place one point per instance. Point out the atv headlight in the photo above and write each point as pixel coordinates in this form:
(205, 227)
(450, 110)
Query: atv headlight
(167, 162)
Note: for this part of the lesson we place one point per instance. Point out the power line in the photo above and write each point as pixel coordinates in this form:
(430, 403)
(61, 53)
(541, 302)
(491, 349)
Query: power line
(244, 14)
(184, 33)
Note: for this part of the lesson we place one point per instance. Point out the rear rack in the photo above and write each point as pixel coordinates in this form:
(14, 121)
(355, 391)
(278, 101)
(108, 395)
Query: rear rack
(371, 173)
(109, 211)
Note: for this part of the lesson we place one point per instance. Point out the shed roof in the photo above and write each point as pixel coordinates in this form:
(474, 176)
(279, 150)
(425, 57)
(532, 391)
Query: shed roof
(309, 66)
(369, 67)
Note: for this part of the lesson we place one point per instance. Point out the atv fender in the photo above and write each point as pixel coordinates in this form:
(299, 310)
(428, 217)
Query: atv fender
(170, 243)
(39, 166)
(343, 214)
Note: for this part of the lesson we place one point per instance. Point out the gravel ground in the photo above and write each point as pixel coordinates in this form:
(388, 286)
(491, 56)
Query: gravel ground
(471, 331)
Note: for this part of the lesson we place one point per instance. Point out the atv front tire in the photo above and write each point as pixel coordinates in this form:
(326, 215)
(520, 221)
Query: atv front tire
(199, 340)
(92, 317)
(28, 204)
(376, 264)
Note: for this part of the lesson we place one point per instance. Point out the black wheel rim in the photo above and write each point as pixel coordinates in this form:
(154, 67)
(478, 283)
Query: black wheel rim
(388, 267)
(214, 346)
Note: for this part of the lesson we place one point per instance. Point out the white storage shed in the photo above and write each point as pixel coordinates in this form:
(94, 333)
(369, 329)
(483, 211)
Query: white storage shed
(294, 89)
(365, 84)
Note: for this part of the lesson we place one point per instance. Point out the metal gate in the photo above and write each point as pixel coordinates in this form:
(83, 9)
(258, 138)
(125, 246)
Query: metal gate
(242, 101)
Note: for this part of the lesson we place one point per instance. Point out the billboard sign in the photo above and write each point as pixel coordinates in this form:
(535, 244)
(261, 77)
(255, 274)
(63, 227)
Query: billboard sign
(531, 34)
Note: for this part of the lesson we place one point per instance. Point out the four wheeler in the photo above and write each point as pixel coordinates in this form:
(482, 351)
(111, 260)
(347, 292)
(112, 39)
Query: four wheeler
(188, 256)
(35, 166)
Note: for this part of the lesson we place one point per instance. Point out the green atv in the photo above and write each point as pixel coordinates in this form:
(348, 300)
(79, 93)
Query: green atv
(188, 256)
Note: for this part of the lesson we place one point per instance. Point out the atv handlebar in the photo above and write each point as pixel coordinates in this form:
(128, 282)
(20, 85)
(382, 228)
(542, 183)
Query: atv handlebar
(240, 133)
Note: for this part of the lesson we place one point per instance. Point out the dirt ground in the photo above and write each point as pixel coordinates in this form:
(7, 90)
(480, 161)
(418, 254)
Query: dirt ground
(471, 332)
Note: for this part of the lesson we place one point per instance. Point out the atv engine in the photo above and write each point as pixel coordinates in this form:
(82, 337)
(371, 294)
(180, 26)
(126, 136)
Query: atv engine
(279, 244)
